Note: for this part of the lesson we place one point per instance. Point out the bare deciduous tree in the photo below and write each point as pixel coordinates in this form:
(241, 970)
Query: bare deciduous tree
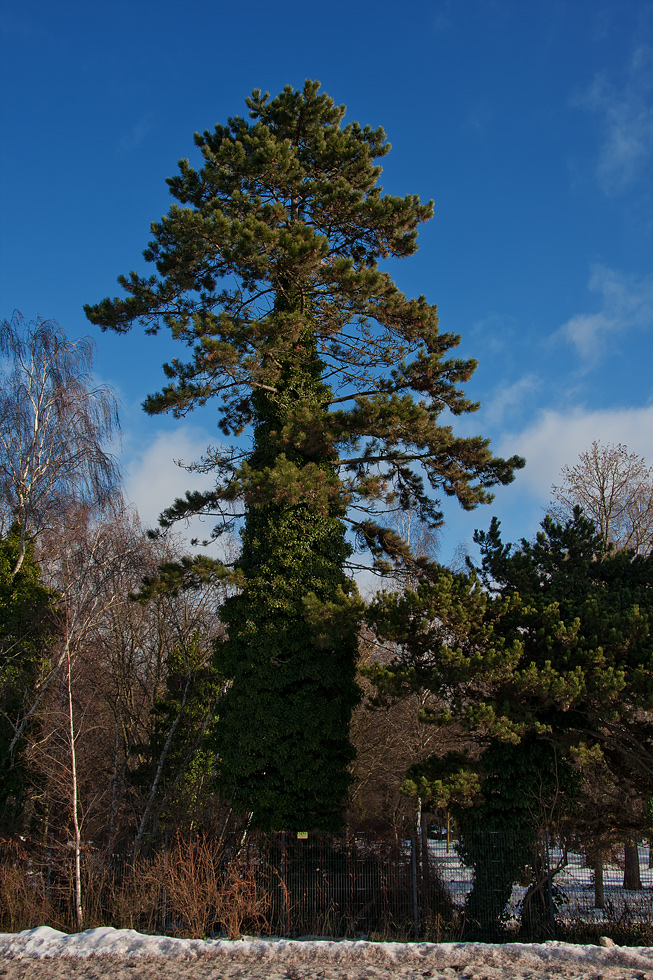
(54, 422)
(81, 568)
(116, 744)
(615, 489)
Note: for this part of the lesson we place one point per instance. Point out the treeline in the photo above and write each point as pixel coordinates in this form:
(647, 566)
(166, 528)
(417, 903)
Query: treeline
(515, 694)
(109, 690)
(518, 693)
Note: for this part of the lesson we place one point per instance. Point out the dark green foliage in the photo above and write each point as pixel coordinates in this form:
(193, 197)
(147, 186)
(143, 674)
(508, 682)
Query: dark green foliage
(546, 664)
(267, 270)
(268, 273)
(283, 731)
(500, 834)
(25, 629)
(585, 680)
(553, 642)
(184, 718)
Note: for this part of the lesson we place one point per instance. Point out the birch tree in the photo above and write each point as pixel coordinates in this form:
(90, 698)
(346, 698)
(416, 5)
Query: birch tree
(55, 423)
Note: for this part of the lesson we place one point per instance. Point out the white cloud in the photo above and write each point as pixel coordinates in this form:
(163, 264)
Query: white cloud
(625, 113)
(557, 438)
(626, 302)
(509, 397)
(153, 480)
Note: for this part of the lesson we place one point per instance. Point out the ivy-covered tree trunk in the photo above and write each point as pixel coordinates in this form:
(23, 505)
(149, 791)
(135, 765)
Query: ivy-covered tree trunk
(283, 733)
(499, 839)
(497, 857)
(598, 881)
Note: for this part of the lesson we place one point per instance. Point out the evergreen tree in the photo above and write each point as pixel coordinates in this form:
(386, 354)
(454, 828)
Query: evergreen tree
(178, 760)
(26, 628)
(544, 658)
(549, 639)
(267, 270)
(583, 615)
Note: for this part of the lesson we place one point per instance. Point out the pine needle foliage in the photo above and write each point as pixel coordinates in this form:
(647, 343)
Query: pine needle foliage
(267, 271)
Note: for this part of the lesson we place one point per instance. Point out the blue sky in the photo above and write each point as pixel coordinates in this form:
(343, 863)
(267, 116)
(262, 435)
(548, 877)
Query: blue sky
(529, 124)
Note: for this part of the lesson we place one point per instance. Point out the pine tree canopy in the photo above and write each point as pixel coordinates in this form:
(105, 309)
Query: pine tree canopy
(547, 643)
(268, 272)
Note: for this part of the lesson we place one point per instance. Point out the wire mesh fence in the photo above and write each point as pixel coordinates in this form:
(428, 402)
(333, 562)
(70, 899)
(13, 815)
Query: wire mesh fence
(483, 886)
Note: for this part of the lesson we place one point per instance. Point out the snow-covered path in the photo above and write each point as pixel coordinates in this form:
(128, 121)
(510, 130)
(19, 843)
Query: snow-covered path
(115, 954)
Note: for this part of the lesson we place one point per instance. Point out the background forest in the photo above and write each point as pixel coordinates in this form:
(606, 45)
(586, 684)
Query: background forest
(512, 695)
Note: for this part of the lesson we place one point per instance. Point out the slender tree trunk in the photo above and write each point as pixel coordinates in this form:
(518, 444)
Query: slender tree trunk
(632, 877)
(79, 917)
(116, 765)
(41, 691)
(182, 768)
(159, 770)
(599, 896)
(418, 839)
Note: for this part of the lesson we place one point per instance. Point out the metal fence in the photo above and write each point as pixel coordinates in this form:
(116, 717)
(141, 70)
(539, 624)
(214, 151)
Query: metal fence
(489, 886)
(485, 886)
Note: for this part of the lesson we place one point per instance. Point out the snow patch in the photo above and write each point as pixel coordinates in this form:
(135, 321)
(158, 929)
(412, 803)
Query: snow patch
(44, 942)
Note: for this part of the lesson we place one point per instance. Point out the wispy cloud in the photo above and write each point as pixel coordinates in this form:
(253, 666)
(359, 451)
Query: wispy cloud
(442, 16)
(497, 330)
(626, 302)
(134, 136)
(479, 119)
(154, 480)
(557, 438)
(509, 399)
(625, 114)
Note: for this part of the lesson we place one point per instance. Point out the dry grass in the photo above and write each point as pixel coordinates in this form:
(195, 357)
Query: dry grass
(198, 887)
(23, 900)
(205, 892)
(191, 891)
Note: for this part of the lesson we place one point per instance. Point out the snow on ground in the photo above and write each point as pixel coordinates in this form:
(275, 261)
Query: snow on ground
(571, 875)
(107, 953)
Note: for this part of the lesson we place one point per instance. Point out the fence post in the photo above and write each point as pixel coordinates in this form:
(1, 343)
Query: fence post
(549, 884)
(413, 851)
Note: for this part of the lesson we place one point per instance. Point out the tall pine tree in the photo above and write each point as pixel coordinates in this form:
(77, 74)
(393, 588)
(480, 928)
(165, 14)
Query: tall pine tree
(267, 270)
